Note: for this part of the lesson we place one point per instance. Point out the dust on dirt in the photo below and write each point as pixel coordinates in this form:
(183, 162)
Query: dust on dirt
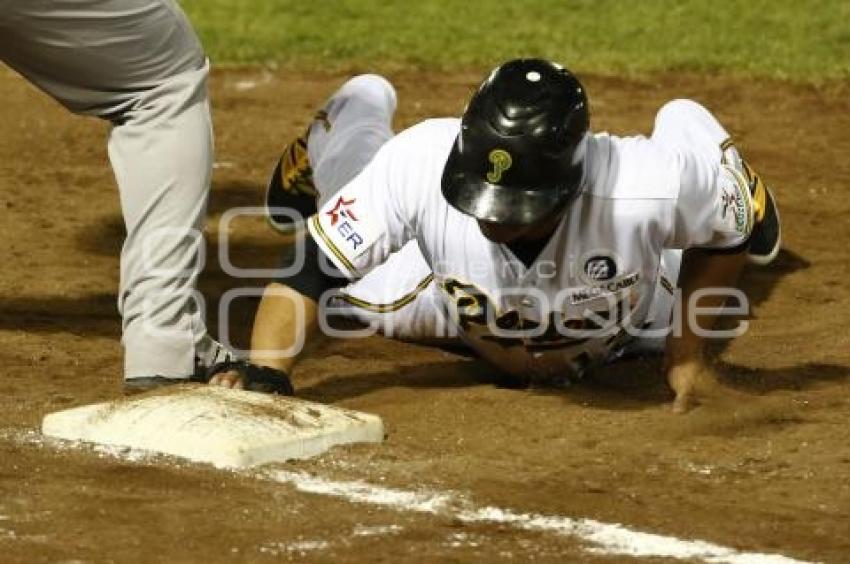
(769, 473)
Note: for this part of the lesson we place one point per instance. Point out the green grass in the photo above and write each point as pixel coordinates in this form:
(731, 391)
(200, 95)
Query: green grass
(806, 40)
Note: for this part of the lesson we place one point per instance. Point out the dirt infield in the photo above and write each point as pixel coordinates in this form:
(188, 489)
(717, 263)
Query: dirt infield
(769, 474)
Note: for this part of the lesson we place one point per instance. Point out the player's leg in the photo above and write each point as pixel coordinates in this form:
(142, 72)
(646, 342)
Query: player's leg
(164, 212)
(139, 64)
(342, 138)
(96, 57)
(686, 123)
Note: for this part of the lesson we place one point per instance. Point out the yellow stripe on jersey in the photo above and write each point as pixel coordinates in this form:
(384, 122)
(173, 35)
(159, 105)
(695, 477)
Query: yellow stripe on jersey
(393, 306)
(317, 226)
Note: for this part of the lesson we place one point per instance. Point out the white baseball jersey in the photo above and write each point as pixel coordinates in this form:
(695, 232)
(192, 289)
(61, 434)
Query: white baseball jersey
(593, 283)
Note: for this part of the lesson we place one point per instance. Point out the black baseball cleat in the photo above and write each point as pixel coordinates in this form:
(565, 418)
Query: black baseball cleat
(291, 195)
(208, 353)
(766, 238)
(255, 378)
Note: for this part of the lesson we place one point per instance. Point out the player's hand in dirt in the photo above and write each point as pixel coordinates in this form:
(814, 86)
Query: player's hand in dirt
(230, 379)
(693, 382)
(243, 375)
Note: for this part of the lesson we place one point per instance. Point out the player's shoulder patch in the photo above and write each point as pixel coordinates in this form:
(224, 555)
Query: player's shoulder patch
(344, 230)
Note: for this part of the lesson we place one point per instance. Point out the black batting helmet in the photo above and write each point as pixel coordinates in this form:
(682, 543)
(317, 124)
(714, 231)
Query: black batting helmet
(519, 153)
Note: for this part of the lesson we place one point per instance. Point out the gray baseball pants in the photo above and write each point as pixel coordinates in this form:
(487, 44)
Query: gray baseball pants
(138, 64)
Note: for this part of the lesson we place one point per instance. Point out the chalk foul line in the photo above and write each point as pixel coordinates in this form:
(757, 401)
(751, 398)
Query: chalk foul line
(608, 539)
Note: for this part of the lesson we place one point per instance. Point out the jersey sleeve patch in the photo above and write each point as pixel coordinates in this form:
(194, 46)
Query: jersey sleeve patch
(344, 230)
(733, 221)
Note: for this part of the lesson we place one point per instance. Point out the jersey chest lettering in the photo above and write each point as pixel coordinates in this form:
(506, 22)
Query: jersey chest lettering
(480, 316)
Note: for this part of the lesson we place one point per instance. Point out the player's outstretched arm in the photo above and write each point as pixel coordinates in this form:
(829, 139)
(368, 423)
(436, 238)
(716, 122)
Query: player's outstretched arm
(284, 326)
(286, 322)
(688, 371)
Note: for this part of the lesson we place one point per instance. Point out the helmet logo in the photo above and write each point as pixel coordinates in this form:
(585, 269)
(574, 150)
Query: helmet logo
(501, 161)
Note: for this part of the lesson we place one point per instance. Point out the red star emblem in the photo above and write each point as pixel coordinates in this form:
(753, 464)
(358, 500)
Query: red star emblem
(341, 209)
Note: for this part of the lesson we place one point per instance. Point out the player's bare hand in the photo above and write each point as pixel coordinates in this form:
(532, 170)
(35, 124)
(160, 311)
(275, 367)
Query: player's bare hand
(242, 375)
(693, 382)
(230, 379)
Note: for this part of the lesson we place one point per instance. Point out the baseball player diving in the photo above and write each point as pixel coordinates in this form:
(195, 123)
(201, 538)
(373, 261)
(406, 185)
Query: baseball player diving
(547, 249)
(139, 65)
